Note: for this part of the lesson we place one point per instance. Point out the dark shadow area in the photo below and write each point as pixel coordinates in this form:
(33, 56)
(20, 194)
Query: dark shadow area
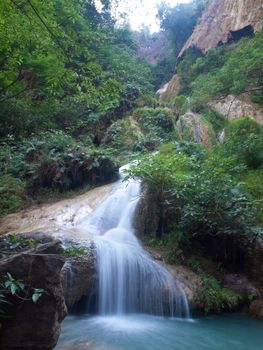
(246, 32)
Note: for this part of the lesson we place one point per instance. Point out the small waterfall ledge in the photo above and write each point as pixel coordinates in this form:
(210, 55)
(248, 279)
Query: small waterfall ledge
(129, 280)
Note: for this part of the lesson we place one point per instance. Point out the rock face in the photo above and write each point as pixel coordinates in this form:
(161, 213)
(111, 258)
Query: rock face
(233, 107)
(153, 48)
(256, 308)
(224, 21)
(34, 325)
(193, 128)
(170, 90)
(77, 279)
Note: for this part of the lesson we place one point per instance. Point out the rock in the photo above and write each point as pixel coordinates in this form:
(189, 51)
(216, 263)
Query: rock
(153, 48)
(189, 281)
(192, 127)
(224, 21)
(253, 260)
(256, 308)
(234, 108)
(241, 285)
(170, 90)
(78, 279)
(34, 325)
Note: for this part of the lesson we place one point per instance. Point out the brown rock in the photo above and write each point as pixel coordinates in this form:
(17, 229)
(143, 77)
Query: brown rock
(170, 90)
(241, 285)
(192, 127)
(34, 325)
(222, 20)
(237, 107)
(77, 278)
(256, 308)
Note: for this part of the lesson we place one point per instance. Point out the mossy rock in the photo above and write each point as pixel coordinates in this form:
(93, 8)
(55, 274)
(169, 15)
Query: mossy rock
(195, 128)
(122, 134)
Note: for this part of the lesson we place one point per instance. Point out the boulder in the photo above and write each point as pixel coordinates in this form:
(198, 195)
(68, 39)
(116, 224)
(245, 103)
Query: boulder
(256, 308)
(240, 284)
(192, 127)
(78, 279)
(34, 325)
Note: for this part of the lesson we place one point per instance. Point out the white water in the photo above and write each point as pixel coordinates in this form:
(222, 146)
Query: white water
(130, 281)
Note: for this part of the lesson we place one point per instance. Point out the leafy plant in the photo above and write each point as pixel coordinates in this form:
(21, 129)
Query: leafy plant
(17, 288)
(74, 251)
(215, 298)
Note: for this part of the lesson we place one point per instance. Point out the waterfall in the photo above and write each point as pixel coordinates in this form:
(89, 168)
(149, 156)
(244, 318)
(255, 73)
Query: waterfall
(129, 280)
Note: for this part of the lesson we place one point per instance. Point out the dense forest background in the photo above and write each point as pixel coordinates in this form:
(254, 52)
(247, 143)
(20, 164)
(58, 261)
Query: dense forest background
(77, 100)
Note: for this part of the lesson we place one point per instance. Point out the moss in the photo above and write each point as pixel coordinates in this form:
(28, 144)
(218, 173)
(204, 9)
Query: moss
(122, 135)
(217, 121)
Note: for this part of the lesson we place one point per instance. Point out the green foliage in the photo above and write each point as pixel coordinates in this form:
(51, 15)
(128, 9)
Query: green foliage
(121, 135)
(201, 192)
(179, 105)
(244, 139)
(225, 70)
(158, 122)
(74, 251)
(17, 242)
(216, 119)
(12, 194)
(18, 289)
(214, 297)
(180, 21)
(62, 60)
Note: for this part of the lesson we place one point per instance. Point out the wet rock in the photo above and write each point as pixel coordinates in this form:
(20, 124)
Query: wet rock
(34, 325)
(78, 278)
(170, 90)
(193, 128)
(256, 308)
(189, 281)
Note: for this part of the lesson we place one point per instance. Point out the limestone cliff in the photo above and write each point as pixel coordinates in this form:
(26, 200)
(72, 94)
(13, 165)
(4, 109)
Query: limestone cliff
(224, 21)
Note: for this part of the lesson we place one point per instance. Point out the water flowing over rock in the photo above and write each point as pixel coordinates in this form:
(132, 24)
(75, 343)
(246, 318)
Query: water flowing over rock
(170, 90)
(193, 128)
(129, 280)
(224, 21)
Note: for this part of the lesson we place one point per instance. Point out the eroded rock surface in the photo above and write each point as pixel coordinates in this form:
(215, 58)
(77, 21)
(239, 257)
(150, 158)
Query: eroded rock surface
(170, 90)
(226, 20)
(256, 308)
(193, 128)
(233, 107)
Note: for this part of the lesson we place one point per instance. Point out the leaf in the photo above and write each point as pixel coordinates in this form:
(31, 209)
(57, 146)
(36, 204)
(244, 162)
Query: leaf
(36, 296)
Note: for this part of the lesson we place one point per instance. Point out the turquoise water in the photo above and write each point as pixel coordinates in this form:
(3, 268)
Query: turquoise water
(144, 332)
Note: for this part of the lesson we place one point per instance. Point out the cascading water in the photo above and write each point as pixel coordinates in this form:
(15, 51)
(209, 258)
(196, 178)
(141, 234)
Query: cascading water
(131, 284)
(130, 281)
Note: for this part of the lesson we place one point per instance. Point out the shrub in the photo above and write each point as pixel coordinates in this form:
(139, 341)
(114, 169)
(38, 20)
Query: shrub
(157, 121)
(12, 194)
(215, 298)
(244, 138)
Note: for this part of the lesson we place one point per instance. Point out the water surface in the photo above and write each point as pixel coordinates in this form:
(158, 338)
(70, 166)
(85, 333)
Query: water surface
(144, 332)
